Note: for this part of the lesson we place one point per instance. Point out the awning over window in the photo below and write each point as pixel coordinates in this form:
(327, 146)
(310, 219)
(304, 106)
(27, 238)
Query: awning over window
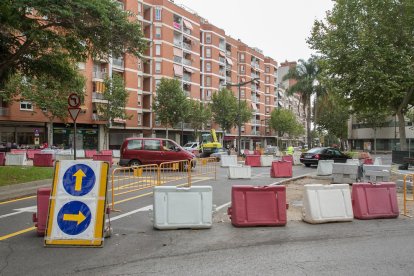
(178, 52)
(188, 70)
(254, 106)
(229, 61)
(178, 70)
(188, 25)
(222, 54)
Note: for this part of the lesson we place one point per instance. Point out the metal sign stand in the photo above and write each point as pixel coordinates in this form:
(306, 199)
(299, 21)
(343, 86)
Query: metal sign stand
(74, 109)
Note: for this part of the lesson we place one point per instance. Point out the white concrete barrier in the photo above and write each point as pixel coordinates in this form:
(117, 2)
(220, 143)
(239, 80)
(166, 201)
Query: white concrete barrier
(16, 159)
(239, 172)
(266, 160)
(345, 173)
(325, 167)
(176, 208)
(80, 153)
(353, 161)
(327, 203)
(63, 156)
(228, 160)
(296, 158)
(116, 153)
(378, 161)
(377, 173)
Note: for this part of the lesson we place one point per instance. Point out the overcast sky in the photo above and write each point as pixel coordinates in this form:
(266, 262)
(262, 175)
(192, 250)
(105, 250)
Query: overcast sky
(278, 27)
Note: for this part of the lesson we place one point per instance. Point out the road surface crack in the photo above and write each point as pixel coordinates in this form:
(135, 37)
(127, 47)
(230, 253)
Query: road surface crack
(6, 260)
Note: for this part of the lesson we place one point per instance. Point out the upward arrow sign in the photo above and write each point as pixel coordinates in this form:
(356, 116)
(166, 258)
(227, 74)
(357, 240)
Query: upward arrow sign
(79, 175)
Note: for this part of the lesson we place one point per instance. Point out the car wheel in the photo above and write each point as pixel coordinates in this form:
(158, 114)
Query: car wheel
(307, 165)
(134, 163)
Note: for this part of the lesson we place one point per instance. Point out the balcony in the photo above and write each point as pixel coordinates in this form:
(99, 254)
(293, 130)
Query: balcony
(187, 61)
(228, 79)
(187, 77)
(228, 53)
(98, 75)
(95, 117)
(4, 111)
(178, 59)
(177, 25)
(187, 46)
(222, 60)
(222, 47)
(97, 96)
(178, 43)
(187, 31)
(118, 62)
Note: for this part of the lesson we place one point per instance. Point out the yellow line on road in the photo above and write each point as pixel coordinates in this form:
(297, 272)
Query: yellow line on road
(17, 233)
(18, 199)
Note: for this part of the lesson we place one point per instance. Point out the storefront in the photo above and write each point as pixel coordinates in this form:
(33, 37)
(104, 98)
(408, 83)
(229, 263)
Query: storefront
(25, 135)
(87, 136)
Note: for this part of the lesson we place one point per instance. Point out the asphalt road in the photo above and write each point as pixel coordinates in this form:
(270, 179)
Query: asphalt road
(377, 247)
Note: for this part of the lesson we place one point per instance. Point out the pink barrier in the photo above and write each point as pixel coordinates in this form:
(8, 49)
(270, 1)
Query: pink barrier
(106, 152)
(288, 158)
(17, 151)
(368, 161)
(257, 152)
(281, 169)
(253, 161)
(31, 153)
(90, 153)
(43, 160)
(40, 218)
(103, 157)
(2, 158)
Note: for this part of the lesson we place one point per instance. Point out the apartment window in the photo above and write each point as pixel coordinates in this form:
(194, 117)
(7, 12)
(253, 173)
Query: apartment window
(208, 95)
(267, 100)
(158, 13)
(157, 32)
(267, 79)
(267, 109)
(208, 52)
(157, 50)
(208, 81)
(158, 67)
(267, 69)
(242, 93)
(139, 122)
(139, 8)
(241, 57)
(157, 83)
(242, 128)
(139, 100)
(241, 68)
(25, 105)
(139, 82)
(267, 89)
(208, 66)
(208, 38)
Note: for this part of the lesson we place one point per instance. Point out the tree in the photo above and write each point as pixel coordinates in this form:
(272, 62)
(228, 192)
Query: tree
(199, 115)
(48, 94)
(170, 104)
(305, 74)
(116, 98)
(333, 113)
(225, 109)
(368, 55)
(39, 38)
(374, 119)
(284, 122)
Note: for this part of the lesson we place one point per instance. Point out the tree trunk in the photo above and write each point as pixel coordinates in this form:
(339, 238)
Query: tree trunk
(166, 132)
(375, 140)
(105, 143)
(50, 134)
(401, 128)
(308, 126)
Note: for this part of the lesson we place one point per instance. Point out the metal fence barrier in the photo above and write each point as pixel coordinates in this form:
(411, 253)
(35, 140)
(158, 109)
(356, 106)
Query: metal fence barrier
(129, 179)
(408, 177)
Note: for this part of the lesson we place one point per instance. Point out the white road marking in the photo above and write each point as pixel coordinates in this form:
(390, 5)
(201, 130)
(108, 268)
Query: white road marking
(30, 209)
(143, 209)
(223, 206)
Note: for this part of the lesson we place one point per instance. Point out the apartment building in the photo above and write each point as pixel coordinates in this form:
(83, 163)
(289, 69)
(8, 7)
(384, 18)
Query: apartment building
(183, 46)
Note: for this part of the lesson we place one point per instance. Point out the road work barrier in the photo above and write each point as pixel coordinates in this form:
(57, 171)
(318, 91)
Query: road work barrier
(324, 167)
(252, 160)
(2, 158)
(129, 179)
(239, 172)
(228, 160)
(296, 158)
(90, 153)
(408, 178)
(344, 173)
(327, 203)
(266, 160)
(103, 157)
(31, 153)
(281, 169)
(43, 160)
(16, 159)
(377, 173)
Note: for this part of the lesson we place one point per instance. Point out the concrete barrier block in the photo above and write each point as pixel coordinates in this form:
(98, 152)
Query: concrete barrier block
(345, 168)
(63, 156)
(368, 168)
(80, 153)
(296, 158)
(377, 176)
(327, 203)
(344, 178)
(353, 161)
(266, 160)
(116, 153)
(16, 159)
(325, 167)
(228, 160)
(378, 161)
(239, 172)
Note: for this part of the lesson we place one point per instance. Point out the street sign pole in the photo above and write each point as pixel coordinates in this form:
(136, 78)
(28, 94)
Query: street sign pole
(74, 140)
(74, 103)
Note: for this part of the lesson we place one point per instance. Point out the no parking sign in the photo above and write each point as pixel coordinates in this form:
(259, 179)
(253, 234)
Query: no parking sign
(77, 204)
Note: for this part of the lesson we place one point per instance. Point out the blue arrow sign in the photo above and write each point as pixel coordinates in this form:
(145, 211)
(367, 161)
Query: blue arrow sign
(79, 180)
(74, 217)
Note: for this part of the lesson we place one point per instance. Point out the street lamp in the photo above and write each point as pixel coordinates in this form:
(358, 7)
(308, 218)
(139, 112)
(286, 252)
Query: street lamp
(239, 85)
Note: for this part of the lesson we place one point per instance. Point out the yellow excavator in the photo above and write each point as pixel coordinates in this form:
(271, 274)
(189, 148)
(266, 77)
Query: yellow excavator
(209, 144)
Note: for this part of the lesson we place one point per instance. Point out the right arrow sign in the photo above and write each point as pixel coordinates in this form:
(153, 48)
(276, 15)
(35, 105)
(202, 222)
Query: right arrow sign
(74, 112)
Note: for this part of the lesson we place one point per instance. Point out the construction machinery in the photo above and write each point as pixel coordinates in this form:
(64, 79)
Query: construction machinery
(209, 144)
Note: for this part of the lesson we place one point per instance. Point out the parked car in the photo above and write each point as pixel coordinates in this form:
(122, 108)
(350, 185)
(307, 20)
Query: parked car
(312, 156)
(142, 151)
(191, 146)
(219, 153)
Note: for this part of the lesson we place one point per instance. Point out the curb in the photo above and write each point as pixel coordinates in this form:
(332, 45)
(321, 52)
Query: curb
(9, 192)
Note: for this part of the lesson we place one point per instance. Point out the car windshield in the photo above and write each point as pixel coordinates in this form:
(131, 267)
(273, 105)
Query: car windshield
(188, 145)
(315, 150)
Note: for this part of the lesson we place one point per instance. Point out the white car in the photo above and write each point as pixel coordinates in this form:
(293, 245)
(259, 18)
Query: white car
(191, 146)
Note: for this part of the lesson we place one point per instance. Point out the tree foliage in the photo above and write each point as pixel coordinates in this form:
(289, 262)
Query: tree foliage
(39, 37)
(170, 104)
(199, 114)
(368, 53)
(305, 74)
(284, 122)
(226, 110)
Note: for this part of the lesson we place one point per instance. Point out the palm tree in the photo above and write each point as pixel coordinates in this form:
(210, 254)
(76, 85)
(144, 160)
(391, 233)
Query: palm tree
(305, 74)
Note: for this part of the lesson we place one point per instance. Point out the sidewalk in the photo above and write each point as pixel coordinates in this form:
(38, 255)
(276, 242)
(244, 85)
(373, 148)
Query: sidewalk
(24, 189)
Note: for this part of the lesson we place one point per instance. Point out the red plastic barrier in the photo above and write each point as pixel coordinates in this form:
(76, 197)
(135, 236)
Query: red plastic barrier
(2, 158)
(43, 160)
(90, 153)
(281, 169)
(253, 161)
(288, 158)
(31, 153)
(258, 206)
(17, 151)
(40, 218)
(246, 152)
(368, 161)
(371, 201)
(257, 152)
(103, 157)
(106, 152)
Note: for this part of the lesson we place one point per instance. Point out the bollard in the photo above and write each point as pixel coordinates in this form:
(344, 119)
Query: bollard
(40, 218)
